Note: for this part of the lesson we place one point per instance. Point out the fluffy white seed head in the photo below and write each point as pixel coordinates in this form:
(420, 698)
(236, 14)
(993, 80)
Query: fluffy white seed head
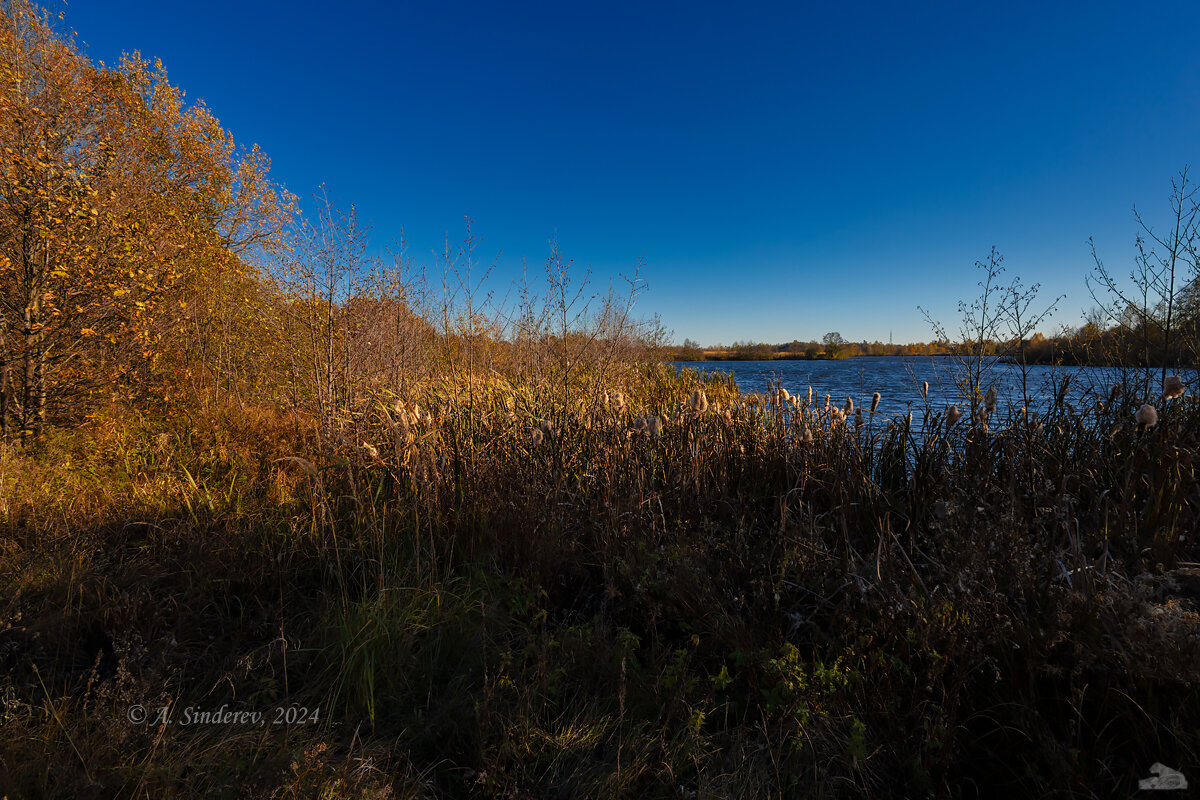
(989, 400)
(400, 418)
(953, 415)
(699, 401)
(538, 436)
(649, 425)
(1146, 416)
(1172, 387)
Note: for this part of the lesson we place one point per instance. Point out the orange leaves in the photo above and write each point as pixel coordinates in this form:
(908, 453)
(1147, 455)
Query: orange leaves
(120, 199)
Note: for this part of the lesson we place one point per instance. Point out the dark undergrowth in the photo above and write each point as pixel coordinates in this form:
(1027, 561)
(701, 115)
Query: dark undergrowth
(727, 609)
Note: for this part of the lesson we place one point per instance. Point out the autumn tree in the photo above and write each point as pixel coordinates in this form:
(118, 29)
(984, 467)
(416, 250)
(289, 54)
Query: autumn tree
(1151, 307)
(833, 342)
(118, 203)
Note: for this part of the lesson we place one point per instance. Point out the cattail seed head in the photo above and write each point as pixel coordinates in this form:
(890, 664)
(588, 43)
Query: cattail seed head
(989, 400)
(953, 415)
(875, 398)
(1172, 387)
(849, 407)
(806, 435)
(1146, 417)
(924, 390)
(546, 425)
(370, 450)
(649, 425)
(858, 418)
(810, 395)
(538, 436)
(699, 401)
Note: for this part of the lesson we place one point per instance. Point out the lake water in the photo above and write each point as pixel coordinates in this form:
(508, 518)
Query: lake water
(898, 380)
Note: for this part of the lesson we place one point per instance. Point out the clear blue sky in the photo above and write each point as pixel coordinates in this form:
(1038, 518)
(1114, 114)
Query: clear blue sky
(784, 169)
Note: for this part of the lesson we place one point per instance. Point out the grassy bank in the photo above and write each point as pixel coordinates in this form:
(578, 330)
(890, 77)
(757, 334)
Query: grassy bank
(725, 609)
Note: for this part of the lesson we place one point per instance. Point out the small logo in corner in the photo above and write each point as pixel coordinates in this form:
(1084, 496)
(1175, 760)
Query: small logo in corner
(1164, 778)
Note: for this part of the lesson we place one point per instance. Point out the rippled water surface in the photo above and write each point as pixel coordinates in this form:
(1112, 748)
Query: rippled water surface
(898, 380)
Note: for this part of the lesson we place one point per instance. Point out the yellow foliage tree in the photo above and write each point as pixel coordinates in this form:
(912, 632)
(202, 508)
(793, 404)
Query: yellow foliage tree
(119, 205)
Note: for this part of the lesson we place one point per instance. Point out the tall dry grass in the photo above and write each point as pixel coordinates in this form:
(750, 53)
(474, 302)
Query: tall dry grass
(757, 598)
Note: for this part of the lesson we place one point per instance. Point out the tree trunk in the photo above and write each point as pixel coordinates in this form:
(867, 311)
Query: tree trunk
(5, 385)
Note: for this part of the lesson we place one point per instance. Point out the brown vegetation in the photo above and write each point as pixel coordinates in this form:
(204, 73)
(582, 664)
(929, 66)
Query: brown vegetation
(503, 552)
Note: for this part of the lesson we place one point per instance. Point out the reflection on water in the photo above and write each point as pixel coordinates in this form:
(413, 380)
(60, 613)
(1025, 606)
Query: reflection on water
(899, 380)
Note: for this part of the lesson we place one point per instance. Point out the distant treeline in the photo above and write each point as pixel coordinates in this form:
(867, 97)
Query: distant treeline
(1139, 337)
(831, 347)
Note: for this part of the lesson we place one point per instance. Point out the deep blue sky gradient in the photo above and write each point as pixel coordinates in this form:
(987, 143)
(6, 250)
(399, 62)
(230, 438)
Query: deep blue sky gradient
(784, 169)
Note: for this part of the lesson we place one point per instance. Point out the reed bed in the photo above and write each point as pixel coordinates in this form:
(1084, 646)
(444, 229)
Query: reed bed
(648, 586)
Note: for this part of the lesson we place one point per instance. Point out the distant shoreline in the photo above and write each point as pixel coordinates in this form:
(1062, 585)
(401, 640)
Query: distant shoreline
(725, 356)
(721, 356)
